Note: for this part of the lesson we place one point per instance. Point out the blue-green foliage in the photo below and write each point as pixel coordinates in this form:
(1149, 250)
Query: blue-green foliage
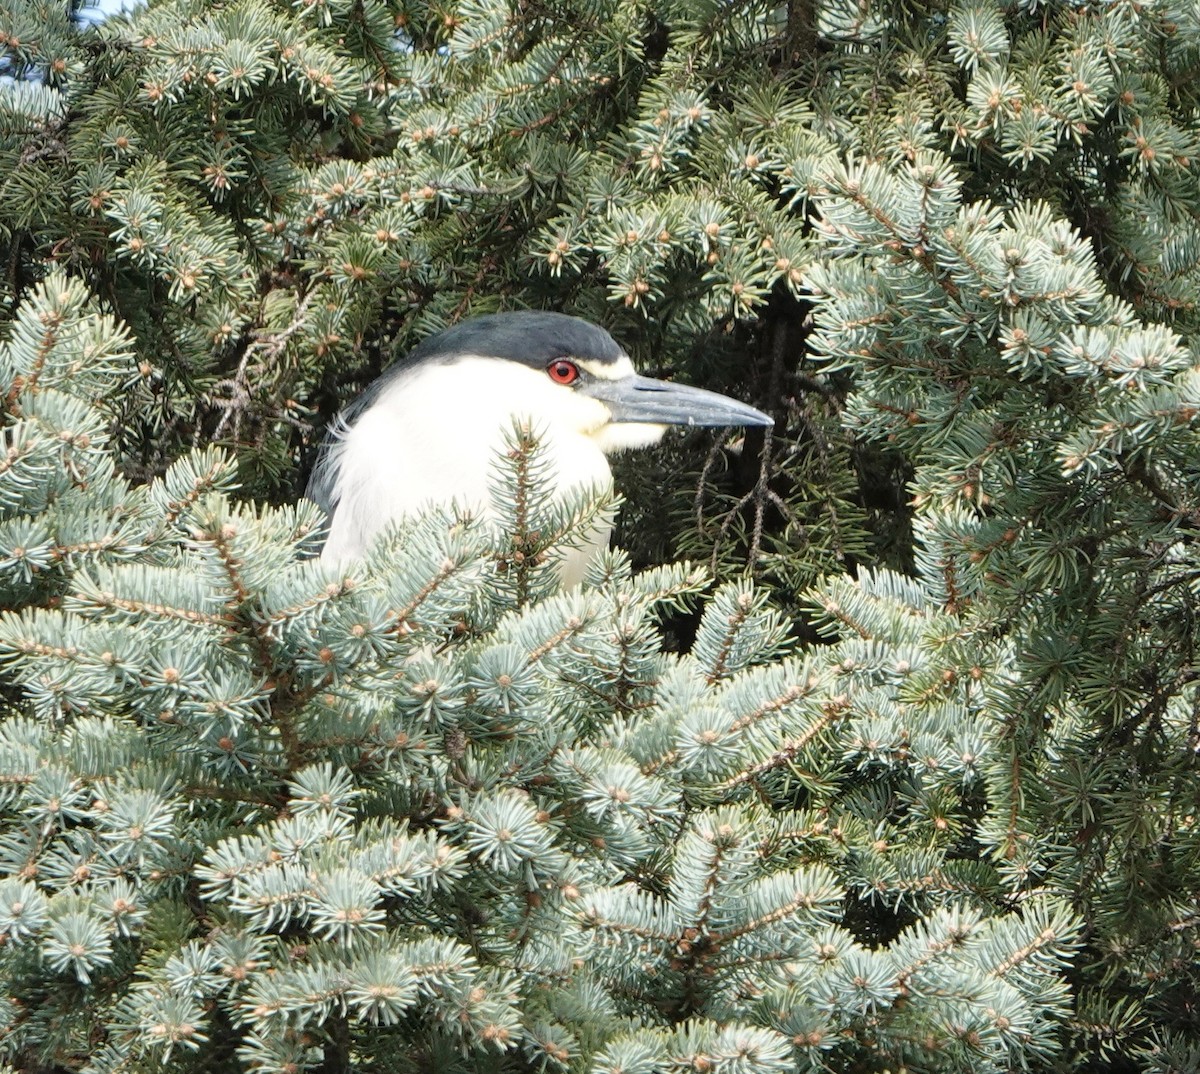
(259, 812)
(426, 814)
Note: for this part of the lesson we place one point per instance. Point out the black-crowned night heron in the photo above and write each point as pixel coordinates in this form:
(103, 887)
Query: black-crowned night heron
(429, 429)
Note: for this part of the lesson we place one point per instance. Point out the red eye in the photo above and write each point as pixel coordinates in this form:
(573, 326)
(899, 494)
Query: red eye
(563, 372)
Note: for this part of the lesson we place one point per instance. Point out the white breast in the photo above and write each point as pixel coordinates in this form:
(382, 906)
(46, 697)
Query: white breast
(433, 435)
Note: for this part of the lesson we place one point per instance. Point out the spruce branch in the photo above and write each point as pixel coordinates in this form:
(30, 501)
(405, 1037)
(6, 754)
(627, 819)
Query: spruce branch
(234, 396)
(834, 710)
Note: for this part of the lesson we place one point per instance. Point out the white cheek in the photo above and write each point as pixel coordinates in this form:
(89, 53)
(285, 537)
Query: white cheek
(489, 396)
(627, 436)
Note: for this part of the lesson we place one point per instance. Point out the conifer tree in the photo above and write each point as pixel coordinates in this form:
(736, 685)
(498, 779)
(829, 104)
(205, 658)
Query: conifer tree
(919, 793)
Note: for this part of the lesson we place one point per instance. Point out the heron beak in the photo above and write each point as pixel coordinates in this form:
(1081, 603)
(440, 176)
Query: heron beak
(660, 402)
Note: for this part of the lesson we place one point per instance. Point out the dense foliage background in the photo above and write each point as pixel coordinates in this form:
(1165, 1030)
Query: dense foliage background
(937, 813)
